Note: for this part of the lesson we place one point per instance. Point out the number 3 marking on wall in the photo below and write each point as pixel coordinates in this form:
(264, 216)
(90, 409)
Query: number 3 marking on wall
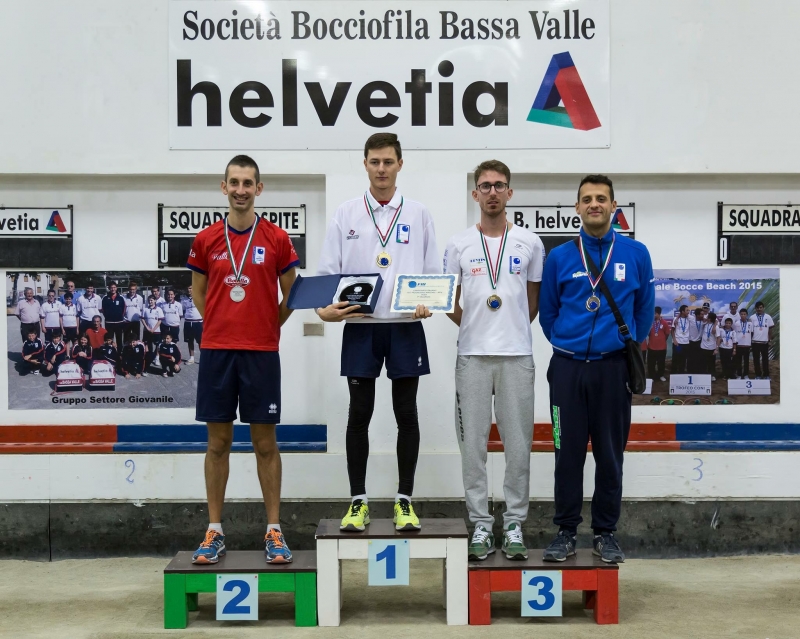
(697, 468)
(129, 463)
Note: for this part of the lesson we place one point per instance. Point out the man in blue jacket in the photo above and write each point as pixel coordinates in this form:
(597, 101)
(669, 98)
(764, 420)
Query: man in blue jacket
(588, 375)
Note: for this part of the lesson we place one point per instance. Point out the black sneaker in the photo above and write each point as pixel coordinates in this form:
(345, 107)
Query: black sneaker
(607, 548)
(560, 548)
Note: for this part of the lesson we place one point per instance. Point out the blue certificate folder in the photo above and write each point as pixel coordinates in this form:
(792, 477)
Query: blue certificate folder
(317, 291)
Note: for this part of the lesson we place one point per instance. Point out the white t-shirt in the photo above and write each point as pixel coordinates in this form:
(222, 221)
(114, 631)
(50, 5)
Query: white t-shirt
(734, 317)
(172, 313)
(151, 316)
(352, 246)
(761, 325)
(50, 314)
(695, 329)
(88, 307)
(133, 307)
(708, 339)
(506, 331)
(744, 333)
(190, 312)
(728, 338)
(681, 325)
(69, 315)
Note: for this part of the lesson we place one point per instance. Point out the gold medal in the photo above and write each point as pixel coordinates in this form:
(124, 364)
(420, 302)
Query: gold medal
(383, 260)
(593, 304)
(494, 302)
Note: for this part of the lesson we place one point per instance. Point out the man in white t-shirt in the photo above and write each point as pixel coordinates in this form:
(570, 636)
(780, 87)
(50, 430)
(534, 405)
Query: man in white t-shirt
(381, 231)
(152, 316)
(69, 320)
(763, 325)
(708, 346)
(680, 341)
(726, 342)
(160, 301)
(192, 326)
(50, 317)
(89, 305)
(134, 305)
(173, 312)
(732, 313)
(744, 340)
(500, 268)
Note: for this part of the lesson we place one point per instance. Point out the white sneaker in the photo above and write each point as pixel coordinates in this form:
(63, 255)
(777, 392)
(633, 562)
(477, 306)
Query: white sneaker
(746, 377)
(190, 361)
(713, 379)
(144, 374)
(662, 379)
(35, 372)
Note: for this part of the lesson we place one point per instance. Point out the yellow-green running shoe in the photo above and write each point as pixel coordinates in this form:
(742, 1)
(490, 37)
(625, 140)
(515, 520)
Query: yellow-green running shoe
(404, 516)
(357, 516)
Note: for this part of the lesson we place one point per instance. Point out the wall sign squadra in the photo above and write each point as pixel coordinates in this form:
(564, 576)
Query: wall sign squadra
(360, 64)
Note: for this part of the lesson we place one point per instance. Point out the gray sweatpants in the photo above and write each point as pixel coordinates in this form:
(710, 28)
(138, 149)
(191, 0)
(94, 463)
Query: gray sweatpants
(510, 380)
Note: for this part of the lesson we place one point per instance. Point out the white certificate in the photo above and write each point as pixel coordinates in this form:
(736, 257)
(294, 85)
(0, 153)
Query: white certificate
(436, 292)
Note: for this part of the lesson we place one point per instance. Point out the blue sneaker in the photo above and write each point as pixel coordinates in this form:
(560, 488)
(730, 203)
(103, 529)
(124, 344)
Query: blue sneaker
(276, 552)
(212, 548)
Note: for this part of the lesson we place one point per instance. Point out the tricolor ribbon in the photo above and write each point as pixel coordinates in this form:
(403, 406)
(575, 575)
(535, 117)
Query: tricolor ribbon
(384, 238)
(494, 270)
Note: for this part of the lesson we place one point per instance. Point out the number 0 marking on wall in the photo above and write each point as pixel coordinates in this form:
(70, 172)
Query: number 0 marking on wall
(164, 251)
(388, 562)
(723, 249)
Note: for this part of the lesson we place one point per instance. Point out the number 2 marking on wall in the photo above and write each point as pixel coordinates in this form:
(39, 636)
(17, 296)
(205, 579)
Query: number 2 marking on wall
(129, 463)
(697, 468)
(233, 607)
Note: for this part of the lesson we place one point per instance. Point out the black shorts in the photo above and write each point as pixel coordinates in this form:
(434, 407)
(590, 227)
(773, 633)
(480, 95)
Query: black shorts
(250, 380)
(71, 334)
(175, 331)
(49, 332)
(402, 344)
(192, 331)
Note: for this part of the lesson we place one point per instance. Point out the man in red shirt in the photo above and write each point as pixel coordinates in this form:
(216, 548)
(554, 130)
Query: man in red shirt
(96, 333)
(237, 264)
(657, 347)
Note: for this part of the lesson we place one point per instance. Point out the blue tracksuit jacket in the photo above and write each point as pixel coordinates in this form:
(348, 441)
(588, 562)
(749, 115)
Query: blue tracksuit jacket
(576, 332)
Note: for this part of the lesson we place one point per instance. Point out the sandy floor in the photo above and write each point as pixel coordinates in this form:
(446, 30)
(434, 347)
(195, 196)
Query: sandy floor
(753, 597)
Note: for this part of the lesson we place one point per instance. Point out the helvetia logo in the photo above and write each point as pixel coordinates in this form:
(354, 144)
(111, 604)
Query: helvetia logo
(562, 84)
(56, 224)
(619, 222)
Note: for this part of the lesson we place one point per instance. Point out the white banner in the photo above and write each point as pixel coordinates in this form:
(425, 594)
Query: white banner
(23, 221)
(760, 218)
(564, 220)
(190, 220)
(445, 75)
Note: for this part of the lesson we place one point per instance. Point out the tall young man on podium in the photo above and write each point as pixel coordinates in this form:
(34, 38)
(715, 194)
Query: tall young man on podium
(237, 264)
(589, 381)
(381, 231)
(500, 268)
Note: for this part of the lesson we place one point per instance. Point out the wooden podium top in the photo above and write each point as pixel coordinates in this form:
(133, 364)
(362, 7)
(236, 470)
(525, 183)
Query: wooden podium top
(249, 561)
(584, 560)
(383, 528)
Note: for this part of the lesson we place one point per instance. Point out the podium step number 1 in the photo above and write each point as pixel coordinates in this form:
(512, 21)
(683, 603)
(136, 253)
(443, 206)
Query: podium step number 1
(237, 597)
(388, 562)
(541, 593)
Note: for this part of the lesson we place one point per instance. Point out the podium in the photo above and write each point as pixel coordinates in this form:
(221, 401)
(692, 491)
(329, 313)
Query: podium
(444, 539)
(183, 580)
(599, 582)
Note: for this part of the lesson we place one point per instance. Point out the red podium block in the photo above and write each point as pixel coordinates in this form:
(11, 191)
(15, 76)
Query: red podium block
(599, 582)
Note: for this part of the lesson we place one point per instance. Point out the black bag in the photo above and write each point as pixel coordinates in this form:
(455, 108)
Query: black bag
(633, 350)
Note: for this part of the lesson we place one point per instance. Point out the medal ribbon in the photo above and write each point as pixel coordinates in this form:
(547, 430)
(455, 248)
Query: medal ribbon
(760, 319)
(384, 238)
(593, 283)
(237, 272)
(494, 271)
(656, 327)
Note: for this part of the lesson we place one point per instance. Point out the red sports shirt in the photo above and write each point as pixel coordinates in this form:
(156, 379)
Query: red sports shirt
(251, 324)
(659, 342)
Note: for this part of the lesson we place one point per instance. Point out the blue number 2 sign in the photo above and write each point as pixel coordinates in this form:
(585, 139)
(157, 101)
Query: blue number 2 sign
(388, 562)
(541, 593)
(237, 597)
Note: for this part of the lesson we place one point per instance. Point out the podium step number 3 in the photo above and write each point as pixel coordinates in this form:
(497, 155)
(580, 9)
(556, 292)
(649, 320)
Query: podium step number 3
(388, 562)
(237, 597)
(541, 593)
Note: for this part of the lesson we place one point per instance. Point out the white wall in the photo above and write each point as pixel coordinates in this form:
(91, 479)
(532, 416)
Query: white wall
(701, 112)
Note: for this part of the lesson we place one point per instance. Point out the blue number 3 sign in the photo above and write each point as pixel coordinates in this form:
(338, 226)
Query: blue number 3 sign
(388, 562)
(541, 593)
(237, 597)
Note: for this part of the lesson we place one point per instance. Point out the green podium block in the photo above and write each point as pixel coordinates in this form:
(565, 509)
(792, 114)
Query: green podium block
(183, 580)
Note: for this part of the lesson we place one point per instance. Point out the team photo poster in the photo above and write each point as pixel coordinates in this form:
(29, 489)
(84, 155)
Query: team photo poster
(77, 354)
(733, 350)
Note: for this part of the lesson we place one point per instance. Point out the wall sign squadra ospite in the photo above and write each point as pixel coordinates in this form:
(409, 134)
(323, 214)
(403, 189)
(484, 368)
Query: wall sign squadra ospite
(297, 75)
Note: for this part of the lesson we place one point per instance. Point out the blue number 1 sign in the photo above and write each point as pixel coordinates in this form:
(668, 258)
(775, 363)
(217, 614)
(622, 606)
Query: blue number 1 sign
(388, 562)
(541, 593)
(237, 597)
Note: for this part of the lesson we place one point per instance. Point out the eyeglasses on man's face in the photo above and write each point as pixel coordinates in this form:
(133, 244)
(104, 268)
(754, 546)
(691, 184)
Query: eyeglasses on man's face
(486, 187)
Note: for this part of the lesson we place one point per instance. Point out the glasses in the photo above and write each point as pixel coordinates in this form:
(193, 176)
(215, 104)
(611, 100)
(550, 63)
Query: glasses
(486, 187)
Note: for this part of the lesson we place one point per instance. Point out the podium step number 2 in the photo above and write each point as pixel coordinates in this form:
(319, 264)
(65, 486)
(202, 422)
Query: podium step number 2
(388, 562)
(237, 597)
(541, 593)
